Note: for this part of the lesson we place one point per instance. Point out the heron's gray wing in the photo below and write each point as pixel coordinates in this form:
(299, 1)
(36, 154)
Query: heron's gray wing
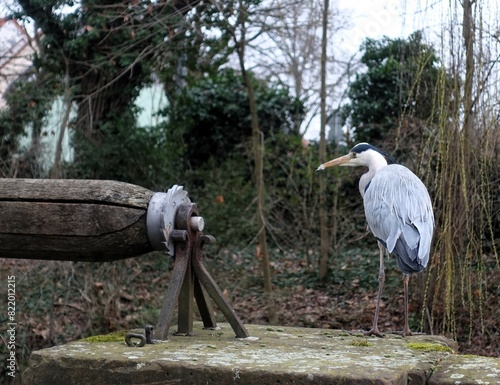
(399, 213)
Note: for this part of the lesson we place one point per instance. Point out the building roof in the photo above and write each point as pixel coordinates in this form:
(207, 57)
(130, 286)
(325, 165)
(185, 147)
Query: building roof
(13, 40)
(16, 53)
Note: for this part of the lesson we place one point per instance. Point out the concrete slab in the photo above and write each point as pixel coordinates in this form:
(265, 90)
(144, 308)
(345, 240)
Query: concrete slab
(273, 355)
(467, 370)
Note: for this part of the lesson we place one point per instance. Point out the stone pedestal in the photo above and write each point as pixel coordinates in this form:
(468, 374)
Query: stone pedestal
(273, 355)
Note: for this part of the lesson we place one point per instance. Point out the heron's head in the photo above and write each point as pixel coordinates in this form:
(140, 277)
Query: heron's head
(362, 154)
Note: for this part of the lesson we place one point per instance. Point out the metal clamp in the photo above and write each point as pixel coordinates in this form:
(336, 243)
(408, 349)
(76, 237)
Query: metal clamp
(146, 338)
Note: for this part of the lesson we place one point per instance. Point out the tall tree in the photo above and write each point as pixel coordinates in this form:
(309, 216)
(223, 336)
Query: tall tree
(468, 32)
(296, 49)
(325, 240)
(240, 40)
(296, 41)
(246, 21)
(401, 79)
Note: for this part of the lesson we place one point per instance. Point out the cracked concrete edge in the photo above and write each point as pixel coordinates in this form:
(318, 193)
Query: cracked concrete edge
(466, 370)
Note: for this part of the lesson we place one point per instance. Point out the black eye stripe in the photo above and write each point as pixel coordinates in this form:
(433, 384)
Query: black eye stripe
(361, 147)
(364, 147)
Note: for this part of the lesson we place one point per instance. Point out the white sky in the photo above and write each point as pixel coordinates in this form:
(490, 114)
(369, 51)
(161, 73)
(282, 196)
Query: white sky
(373, 19)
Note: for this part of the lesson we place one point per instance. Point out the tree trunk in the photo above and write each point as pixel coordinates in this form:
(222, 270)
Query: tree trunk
(467, 172)
(323, 217)
(67, 103)
(468, 35)
(258, 152)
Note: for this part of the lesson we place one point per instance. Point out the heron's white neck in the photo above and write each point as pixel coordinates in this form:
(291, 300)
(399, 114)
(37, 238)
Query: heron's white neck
(375, 162)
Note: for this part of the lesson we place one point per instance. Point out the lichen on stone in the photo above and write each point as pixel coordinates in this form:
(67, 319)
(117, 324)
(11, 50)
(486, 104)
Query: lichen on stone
(429, 347)
(469, 356)
(362, 342)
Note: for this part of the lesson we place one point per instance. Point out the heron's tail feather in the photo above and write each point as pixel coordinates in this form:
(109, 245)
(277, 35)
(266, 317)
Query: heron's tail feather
(407, 258)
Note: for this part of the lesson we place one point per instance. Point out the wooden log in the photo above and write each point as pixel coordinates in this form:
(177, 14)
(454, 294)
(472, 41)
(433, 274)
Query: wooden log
(74, 220)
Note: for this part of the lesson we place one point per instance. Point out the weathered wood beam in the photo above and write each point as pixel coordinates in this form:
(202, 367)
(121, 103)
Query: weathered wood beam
(76, 220)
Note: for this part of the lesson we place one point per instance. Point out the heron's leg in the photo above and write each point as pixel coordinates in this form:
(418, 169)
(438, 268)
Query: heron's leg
(381, 278)
(406, 330)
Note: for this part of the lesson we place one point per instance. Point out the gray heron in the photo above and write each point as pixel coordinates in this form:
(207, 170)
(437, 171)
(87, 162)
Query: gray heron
(399, 213)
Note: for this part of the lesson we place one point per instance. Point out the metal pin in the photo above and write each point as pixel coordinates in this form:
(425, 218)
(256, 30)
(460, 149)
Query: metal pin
(197, 223)
(148, 333)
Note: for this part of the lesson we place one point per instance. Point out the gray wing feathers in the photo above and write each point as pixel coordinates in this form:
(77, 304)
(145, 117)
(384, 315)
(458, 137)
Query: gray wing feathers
(399, 213)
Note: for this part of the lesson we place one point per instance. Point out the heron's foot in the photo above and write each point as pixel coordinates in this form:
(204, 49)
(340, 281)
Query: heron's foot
(406, 332)
(373, 332)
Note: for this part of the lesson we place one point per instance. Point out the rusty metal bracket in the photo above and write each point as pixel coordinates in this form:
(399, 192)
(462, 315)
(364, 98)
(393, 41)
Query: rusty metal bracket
(190, 280)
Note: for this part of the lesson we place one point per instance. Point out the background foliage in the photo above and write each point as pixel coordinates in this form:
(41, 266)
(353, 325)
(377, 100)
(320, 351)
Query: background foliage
(212, 115)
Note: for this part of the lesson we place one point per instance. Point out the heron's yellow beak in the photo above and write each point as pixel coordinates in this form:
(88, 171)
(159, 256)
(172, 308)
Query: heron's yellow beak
(336, 162)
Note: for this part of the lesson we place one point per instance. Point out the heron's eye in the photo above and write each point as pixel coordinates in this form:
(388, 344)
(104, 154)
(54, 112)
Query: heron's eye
(354, 155)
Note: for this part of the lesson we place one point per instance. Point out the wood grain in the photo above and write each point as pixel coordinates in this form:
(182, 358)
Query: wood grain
(75, 190)
(77, 220)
